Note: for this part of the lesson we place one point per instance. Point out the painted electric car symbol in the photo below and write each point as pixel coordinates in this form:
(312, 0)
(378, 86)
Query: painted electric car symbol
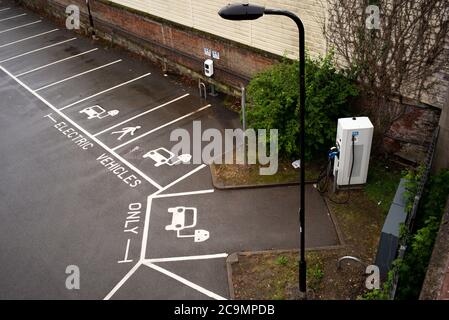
(178, 224)
(98, 112)
(163, 156)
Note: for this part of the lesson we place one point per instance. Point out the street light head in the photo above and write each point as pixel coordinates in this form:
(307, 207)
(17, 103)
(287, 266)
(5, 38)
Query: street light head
(241, 11)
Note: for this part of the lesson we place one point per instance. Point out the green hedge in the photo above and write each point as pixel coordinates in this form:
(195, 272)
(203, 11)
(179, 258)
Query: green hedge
(273, 103)
(412, 268)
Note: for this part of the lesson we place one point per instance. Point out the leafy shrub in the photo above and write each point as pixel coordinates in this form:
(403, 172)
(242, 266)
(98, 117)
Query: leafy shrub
(412, 270)
(412, 180)
(274, 103)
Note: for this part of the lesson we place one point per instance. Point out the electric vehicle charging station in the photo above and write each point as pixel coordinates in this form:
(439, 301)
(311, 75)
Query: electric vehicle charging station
(353, 143)
(209, 68)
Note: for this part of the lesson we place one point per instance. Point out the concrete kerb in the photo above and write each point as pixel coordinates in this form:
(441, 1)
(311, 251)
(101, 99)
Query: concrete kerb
(340, 236)
(221, 186)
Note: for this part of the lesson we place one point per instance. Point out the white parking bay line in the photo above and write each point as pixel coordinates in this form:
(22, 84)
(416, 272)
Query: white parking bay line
(78, 75)
(182, 194)
(188, 258)
(13, 17)
(22, 26)
(4, 9)
(162, 126)
(27, 38)
(123, 280)
(36, 50)
(87, 134)
(185, 281)
(171, 184)
(141, 114)
(107, 90)
(56, 62)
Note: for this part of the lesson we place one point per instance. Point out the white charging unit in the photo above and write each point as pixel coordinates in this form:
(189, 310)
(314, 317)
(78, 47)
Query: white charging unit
(209, 68)
(354, 136)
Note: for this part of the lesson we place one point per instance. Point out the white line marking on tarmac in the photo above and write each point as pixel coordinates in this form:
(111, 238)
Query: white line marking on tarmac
(78, 75)
(56, 62)
(107, 90)
(146, 230)
(180, 179)
(126, 260)
(22, 26)
(143, 248)
(188, 258)
(141, 114)
(13, 17)
(124, 161)
(162, 126)
(148, 210)
(122, 282)
(185, 281)
(4, 9)
(27, 38)
(50, 117)
(181, 194)
(36, 50)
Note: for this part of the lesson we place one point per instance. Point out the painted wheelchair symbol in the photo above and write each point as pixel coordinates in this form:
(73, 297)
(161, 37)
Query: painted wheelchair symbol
(178, 224)
(163, 156)
(98, 112)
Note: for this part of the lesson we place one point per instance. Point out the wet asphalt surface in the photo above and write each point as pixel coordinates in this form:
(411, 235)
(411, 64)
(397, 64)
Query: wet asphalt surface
(73, 193)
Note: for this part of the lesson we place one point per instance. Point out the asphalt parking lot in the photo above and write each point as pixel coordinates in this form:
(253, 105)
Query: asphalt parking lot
(76, 120)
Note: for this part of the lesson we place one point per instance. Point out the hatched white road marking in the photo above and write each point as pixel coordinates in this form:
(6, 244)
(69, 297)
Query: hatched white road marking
(78, 75)
(56, 62)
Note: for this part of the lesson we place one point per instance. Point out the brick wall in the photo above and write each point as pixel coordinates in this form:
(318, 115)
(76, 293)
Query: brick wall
(278, 35)
(174, 34)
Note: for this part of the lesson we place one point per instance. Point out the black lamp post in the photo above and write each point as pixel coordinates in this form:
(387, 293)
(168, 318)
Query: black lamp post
(240, 11)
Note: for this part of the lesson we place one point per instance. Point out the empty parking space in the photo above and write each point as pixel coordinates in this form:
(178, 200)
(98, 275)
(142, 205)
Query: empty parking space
(196, 224)
(87, 86)
(14, 26)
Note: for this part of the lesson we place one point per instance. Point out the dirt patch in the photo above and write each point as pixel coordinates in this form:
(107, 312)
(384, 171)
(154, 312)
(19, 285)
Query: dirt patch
(274, 276)
(235, 175)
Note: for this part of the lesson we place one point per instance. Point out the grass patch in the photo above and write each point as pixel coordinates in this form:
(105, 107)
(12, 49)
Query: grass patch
(383, 180)
(282, 261)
